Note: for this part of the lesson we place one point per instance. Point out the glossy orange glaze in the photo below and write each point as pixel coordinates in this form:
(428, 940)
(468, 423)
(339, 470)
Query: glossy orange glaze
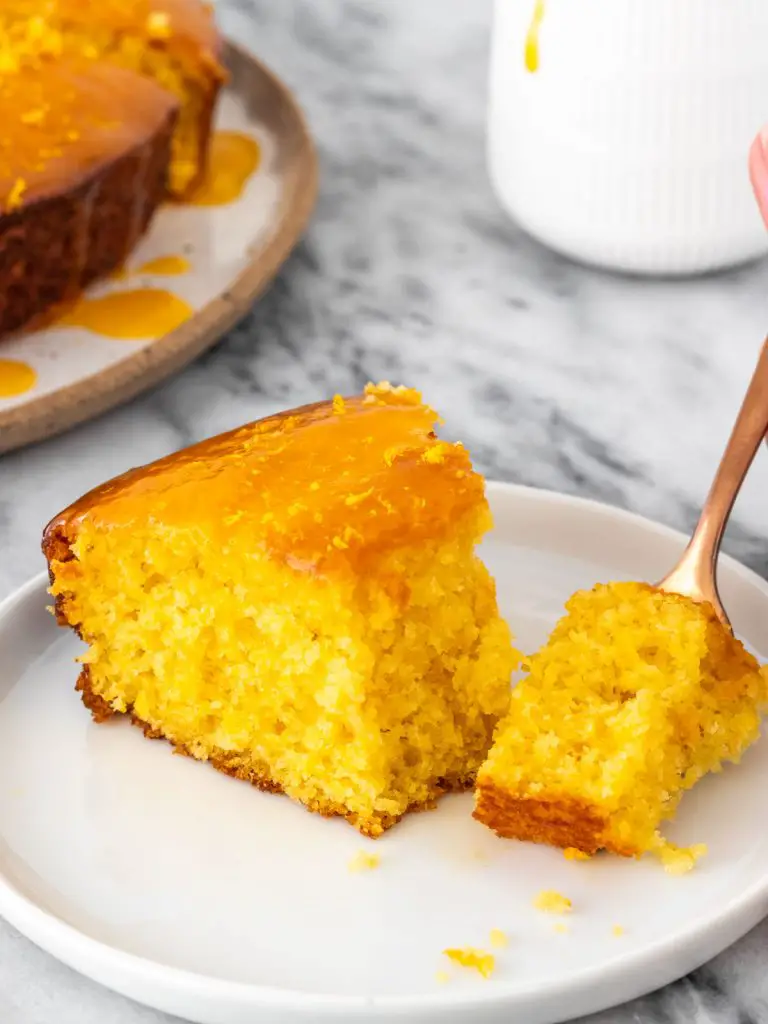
(165, 266)
(232, 159)
(319, 487)
(129, 315)
(161, 266)
(185, 28)
(68, 123)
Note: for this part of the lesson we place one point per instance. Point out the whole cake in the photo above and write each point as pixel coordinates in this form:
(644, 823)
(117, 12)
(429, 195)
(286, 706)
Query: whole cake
(635, 697)
(299, 603)
(94, 142)
(173, 42)
(106, 108)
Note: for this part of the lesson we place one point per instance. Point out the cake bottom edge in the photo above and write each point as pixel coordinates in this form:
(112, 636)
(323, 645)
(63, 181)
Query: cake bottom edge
(555, 820)
(235, 765)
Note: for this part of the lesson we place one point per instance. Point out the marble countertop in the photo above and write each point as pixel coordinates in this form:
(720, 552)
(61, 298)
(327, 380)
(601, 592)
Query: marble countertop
(554, 375)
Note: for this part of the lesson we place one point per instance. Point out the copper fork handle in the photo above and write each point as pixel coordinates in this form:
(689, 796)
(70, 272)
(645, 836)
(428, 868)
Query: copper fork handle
(695, 573)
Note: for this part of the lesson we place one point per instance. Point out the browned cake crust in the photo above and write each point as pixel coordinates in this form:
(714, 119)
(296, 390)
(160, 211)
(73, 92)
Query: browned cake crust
(52, 249)
(567, 823)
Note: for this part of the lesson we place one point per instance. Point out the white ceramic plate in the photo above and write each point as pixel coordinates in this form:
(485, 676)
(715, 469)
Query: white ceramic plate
(198, 895)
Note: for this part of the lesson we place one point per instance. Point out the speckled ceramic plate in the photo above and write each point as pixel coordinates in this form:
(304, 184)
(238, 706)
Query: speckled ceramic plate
(222, 256)
(198, 895)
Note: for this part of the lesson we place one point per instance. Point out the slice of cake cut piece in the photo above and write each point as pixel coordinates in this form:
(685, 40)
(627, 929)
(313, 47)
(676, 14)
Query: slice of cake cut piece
(636, 696)
(298, 602)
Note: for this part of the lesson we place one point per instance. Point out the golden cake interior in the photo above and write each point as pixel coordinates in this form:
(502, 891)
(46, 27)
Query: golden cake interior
(174, 42)
(635, 697)
(300, 603)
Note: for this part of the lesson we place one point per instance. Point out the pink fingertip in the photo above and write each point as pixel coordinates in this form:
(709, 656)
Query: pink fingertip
(758, 172)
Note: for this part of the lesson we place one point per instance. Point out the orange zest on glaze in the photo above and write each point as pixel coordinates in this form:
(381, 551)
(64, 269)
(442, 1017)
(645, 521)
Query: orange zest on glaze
(326, 458)
(166, 266)
(532, 38)
(130, 315)
(233, 158)
(15, 378)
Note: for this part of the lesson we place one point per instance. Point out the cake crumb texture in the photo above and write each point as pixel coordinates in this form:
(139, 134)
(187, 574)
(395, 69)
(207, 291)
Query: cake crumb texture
(299, 603)
(636, 696)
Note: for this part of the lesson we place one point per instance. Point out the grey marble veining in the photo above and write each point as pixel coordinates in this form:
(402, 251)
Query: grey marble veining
(553, 374)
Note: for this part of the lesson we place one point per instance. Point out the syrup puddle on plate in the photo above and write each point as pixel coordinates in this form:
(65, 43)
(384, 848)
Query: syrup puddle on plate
(160, 266)
(130, 315)
(140, 313)
(233, 158)
(532, 38)
(15, 378)
(166, 266)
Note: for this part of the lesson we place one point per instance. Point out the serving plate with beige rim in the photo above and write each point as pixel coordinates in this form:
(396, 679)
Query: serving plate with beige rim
(188, 281)
(196, 894)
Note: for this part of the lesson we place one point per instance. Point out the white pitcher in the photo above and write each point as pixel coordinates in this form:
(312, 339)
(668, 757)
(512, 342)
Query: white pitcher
(619, 130)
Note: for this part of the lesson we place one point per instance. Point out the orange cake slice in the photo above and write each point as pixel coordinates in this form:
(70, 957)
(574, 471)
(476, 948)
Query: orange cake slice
(635, 697)
(298, 602)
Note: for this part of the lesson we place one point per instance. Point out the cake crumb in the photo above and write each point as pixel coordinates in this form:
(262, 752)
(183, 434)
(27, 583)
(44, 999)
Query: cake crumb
(476, 959)
(560, 928)
(158, 25)
(679, 860)
(436, 455)
(552, 902)
(363, 861)
(34, 116)
(441, 977)
(617, 931)
(339, 405)
(9, 62)
(573, 853)
(498, 938)
(16, 194)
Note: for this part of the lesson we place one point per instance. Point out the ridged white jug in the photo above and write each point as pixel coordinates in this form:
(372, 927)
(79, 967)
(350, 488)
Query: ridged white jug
(628, 146)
